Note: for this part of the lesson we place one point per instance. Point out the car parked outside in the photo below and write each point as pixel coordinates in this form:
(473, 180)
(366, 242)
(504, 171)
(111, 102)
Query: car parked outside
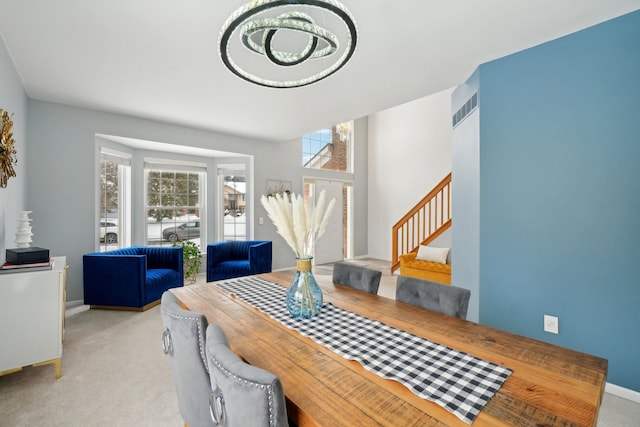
(108, 232)
(187, 231)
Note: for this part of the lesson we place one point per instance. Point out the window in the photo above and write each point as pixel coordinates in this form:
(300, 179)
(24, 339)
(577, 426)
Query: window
(115, 202)
(175, 206)
(329, 149)
(234, 189)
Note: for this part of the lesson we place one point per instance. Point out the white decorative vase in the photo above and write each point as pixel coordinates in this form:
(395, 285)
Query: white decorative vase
(23, 235)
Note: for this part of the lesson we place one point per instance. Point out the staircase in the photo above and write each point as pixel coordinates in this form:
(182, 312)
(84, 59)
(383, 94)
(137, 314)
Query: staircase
(428, 219)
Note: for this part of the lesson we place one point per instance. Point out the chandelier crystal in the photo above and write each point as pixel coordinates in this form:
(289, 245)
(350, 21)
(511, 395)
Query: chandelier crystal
(261, 22)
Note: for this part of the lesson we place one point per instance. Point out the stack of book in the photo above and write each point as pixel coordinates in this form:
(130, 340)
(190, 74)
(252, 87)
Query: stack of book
(27, 259)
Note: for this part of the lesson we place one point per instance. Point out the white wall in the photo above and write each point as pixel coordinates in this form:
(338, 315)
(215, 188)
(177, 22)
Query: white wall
(13, 99)
(409, 153)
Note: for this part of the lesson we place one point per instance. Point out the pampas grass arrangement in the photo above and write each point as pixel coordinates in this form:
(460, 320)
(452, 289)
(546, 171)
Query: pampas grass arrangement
(300, 225)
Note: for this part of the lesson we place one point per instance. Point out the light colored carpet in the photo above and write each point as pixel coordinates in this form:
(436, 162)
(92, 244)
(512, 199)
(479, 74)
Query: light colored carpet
(114, 373)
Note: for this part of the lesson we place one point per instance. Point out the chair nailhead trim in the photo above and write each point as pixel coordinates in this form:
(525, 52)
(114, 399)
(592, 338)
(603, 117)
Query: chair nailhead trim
(200, 333)
(246, 382)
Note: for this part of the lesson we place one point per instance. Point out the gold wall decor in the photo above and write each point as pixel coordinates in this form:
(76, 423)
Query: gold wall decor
(7, 149)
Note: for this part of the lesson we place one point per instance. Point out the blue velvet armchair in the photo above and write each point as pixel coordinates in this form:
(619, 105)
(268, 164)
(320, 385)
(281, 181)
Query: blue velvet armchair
(132, 278)
(229, 259)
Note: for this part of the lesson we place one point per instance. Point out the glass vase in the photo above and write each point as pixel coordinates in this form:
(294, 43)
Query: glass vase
(304, 297)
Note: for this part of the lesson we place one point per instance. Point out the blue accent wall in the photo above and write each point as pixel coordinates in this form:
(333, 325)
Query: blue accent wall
(560, 193)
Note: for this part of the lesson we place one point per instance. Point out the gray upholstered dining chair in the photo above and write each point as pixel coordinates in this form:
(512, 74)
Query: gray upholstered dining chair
(183, 341)
(447, 299)
(242, 394)
(361, 278)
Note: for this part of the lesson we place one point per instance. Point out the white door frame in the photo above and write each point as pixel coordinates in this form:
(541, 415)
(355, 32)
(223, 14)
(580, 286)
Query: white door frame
(349, 226)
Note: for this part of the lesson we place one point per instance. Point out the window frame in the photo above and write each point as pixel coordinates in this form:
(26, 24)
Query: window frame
(233, 169)
(124, 202)
(176, 167)
(329, 149)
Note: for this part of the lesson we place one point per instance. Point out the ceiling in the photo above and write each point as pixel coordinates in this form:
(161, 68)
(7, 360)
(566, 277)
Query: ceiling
(158, 59)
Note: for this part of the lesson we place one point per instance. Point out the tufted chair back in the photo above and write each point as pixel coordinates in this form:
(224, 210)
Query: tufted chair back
(237, 258)
(183, 341)
(446, 299)
(361, 278)
(242, 394)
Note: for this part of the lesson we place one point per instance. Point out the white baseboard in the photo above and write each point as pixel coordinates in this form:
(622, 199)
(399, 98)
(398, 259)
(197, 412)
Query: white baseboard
(622, 392)
(74, 307)
(374, 257)
(75, 303)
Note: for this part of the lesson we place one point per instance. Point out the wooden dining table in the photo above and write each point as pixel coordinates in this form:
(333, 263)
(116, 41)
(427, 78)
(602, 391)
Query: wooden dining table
(549, 385)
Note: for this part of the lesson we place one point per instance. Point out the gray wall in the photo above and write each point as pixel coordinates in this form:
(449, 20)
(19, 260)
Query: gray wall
(13, 99)
(287, 166)
(61, 175)
(465, 189)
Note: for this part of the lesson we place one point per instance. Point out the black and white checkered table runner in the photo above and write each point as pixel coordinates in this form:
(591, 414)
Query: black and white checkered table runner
(457, 381)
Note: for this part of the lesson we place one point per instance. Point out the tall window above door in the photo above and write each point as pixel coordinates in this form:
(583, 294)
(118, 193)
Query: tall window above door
(115, 200)
(329, 149)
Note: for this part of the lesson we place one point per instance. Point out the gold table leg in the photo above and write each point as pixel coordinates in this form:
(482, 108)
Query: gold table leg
(10, 371)
(56, 362)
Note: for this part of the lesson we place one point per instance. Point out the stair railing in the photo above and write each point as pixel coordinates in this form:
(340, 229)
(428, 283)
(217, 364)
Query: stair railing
(428, 219)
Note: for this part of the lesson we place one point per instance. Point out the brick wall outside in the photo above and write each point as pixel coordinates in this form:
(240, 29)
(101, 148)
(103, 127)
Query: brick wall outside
(338, 159)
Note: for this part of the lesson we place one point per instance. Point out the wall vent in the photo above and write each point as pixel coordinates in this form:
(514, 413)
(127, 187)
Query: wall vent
(466, 109)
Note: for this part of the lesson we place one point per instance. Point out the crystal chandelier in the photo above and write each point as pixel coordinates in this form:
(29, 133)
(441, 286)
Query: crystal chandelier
(280, 43)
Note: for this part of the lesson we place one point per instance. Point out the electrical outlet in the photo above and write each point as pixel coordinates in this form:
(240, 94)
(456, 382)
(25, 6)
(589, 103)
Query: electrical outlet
(261, 220)
(550, 324)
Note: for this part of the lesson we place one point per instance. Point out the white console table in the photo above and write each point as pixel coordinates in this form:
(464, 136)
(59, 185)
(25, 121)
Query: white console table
(32, 317)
